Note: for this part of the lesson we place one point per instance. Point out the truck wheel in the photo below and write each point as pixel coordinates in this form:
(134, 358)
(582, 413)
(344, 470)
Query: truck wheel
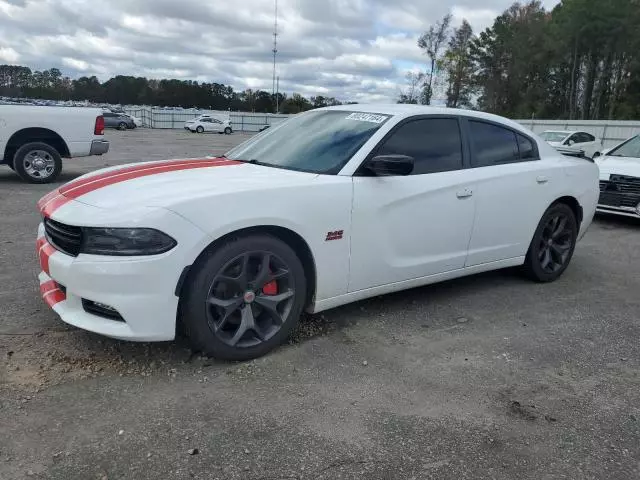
(37, 162)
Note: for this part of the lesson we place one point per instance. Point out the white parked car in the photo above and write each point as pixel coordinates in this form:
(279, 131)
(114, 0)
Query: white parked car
(620, 179)
(137, 121)
(590, 145)
(333, 206)
(209, 124)
(35, 139)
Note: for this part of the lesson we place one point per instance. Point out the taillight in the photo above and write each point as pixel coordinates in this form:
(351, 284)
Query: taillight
(99, 128)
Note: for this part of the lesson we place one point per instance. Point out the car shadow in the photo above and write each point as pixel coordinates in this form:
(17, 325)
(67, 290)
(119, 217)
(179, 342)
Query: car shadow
(104, 354)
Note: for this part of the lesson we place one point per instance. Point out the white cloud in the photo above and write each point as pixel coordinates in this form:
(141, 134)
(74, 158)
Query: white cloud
(9, 55)
(353, 49)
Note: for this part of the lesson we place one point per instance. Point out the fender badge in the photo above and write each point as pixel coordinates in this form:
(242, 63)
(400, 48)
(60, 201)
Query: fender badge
(337, 235)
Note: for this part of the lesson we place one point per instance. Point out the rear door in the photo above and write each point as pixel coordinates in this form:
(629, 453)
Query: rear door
(407, 227)
(513, 188)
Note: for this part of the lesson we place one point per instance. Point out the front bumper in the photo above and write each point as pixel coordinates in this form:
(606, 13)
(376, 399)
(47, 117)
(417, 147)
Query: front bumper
(624, 211)
(141, 289)
(99, 147)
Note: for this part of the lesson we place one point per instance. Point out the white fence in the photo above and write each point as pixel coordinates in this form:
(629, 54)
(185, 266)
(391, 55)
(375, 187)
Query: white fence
(611, 132)
(240, 121)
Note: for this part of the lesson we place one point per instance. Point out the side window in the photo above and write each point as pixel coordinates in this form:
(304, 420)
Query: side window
(206, 120)
(585, 137)
(434, 143)
(216, 121)
(492, 145)
(572, 139)
(527, 149)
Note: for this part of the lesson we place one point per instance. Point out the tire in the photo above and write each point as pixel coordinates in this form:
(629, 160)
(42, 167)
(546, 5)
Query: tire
(200, 129)
(122, 126)
(228, 131)
(215, 306)
(552, 245)
(37, 162)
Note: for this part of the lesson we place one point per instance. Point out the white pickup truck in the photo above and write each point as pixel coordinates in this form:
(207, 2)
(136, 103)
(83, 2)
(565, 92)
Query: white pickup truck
(34, 139)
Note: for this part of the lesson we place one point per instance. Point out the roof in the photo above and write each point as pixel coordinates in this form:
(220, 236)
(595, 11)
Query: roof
(566, 132)
(407, 110)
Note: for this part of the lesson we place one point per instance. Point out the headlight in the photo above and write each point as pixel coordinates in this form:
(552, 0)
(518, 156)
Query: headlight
(125, 241)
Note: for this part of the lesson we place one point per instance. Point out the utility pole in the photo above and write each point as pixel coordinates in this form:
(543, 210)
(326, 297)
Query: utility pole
(275, 48)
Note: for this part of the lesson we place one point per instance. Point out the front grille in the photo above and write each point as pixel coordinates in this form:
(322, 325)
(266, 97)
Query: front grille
(66, 238)
(620, 191)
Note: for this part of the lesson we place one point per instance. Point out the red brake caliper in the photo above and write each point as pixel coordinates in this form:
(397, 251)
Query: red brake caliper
(270, 288)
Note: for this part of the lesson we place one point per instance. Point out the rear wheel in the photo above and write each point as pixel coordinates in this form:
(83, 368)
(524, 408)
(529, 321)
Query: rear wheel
(553, 244)
(244, 298)
(227, 131)
(200, 129)
(122, 126)
(37, 162)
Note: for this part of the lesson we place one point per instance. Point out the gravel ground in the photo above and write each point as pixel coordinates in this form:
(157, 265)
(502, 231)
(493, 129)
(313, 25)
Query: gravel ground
(484, 377)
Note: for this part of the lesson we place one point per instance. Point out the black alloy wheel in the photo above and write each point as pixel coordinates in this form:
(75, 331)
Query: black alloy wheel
(553, 244)
(250, 298)
(243, 298)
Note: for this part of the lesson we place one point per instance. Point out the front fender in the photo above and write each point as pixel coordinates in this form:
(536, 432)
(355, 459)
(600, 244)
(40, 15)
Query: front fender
(310, 211)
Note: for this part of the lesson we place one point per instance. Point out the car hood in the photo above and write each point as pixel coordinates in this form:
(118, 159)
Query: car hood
(555, 144)
(628, 166)
(168, 183)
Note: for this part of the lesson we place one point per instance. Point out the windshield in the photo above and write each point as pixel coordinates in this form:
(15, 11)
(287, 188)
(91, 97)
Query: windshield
(631, 148)
(553, 136)
(317, 142)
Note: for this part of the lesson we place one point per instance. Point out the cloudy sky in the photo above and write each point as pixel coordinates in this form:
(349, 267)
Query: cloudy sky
(356, 50)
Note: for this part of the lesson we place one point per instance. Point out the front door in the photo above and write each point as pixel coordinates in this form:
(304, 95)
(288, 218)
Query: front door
(407, 227)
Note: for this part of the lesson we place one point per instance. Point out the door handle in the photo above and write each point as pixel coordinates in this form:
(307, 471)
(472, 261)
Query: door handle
(542, 179)
(466, 193)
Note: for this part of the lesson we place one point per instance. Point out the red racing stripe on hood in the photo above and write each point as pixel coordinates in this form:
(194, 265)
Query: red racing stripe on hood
(136, 168)
(51, 202)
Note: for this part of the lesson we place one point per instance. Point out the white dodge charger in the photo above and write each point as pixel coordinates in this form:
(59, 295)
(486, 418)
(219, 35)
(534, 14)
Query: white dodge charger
(333, 206)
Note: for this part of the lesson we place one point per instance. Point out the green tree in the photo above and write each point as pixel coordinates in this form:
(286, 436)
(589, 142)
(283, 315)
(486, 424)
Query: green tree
(459, 68)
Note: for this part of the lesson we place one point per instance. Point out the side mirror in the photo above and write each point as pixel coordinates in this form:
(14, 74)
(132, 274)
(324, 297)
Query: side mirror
(569, 142)
(605, 151)
(390, 165)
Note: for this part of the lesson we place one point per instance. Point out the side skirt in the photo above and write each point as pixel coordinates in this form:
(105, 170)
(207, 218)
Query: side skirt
(333, 302)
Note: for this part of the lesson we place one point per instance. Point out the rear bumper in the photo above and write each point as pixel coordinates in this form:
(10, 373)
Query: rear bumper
(99, 147)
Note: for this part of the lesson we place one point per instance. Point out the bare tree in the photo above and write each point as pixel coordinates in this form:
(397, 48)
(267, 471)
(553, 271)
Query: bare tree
(415, 81)
(432, 43)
